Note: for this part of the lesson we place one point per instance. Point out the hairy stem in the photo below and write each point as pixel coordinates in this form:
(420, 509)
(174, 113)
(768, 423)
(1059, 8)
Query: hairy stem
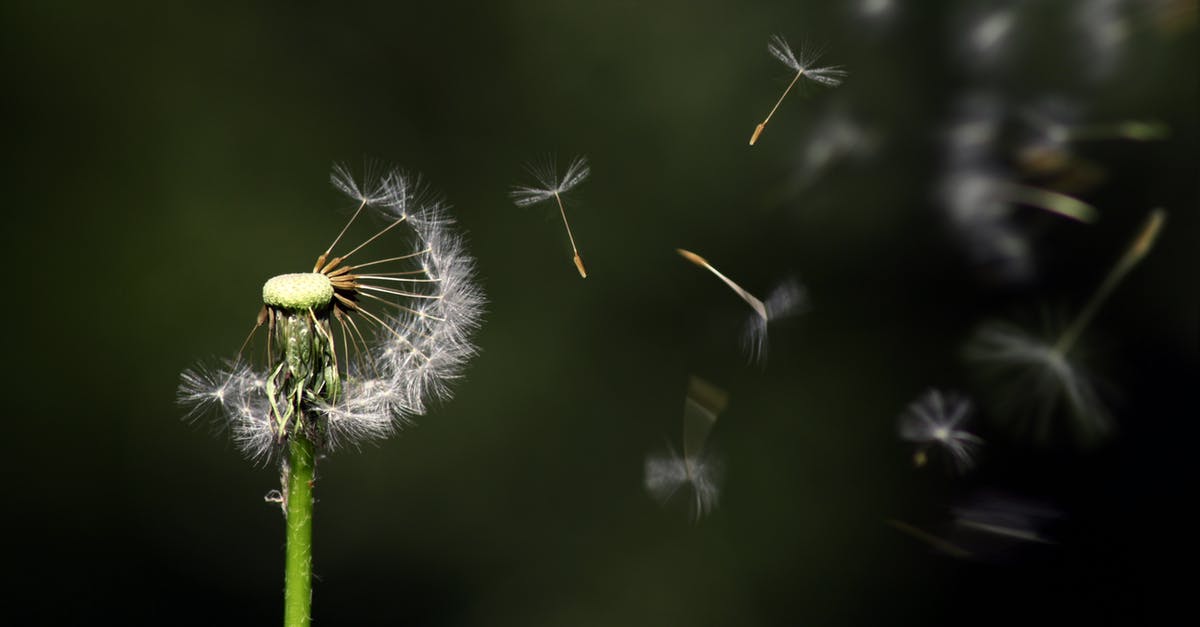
(298, 573)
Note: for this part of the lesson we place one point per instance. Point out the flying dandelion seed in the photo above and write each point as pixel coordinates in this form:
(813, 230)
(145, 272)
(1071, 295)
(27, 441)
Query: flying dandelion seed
(696, 472)
(980, 198)
(551, 186)
(1034, 377)
(803, 65)
(936, 420)
(353, 349)
(789, 298)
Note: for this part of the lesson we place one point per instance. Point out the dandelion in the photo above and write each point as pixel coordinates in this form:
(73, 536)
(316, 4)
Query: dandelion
(787, 299)
(1034, 376)
(551, 186)
(936, 420)
(353, 350)
(803, 65)
(697, 470)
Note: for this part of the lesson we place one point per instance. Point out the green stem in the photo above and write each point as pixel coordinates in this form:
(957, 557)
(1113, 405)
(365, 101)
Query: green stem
(298, 574)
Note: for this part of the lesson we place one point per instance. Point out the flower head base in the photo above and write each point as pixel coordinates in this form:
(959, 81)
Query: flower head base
(353, 349)
(300, 292)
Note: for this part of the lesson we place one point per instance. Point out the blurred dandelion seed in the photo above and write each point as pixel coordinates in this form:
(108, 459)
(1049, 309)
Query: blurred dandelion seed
(830, 76)
(1034, 376)
(787, 299)
(551, 186)
(1049, 201)
(989, 527)
(936, 420)
(837, 138)
(940, 544)
(697, 471)
(1005, 518)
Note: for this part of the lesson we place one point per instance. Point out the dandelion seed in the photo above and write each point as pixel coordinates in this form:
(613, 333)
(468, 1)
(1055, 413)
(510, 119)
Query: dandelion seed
(353, 349)
(697, 471)
(551, 186)
(1005, 519)
(936, 420)
(787, 299)
(830, 76)
(987, 33)
(1054, 130)
(938, 543)
(1034, 376)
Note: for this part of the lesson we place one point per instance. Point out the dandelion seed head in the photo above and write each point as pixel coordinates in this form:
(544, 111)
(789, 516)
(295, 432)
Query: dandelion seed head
(936, 419)
(696, 474)
(359, 346)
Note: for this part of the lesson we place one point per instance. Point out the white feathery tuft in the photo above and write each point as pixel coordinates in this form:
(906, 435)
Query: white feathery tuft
(805, 63)
(549, 183)
(789, 298)
(666, 474)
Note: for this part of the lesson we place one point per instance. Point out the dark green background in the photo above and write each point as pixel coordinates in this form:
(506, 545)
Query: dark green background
(164, 160)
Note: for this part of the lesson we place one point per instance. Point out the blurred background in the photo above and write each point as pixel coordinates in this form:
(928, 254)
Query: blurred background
(163, 160)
